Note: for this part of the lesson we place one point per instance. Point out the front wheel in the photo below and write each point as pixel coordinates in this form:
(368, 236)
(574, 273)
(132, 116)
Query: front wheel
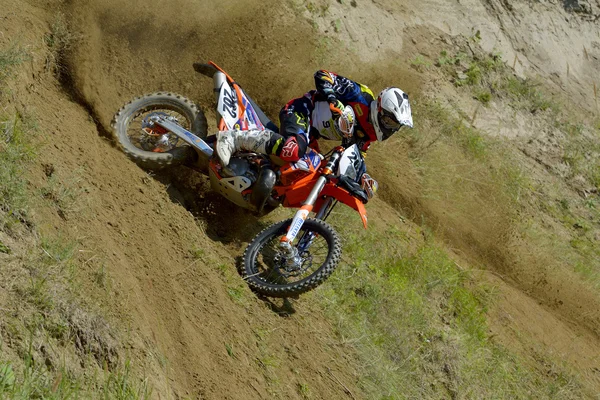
(272, 271)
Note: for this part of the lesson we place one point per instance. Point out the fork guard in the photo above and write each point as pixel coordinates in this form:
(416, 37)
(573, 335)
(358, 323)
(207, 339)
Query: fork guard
(354, 188)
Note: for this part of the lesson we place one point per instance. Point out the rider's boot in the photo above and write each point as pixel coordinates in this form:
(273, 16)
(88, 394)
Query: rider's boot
(228, 142)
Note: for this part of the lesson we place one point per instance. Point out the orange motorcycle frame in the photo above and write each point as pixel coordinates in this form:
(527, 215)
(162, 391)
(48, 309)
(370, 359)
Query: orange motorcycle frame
(298, 185)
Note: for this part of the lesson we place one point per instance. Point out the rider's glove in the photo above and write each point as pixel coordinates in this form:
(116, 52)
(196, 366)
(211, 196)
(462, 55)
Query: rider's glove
(369, 185)
(336, 107)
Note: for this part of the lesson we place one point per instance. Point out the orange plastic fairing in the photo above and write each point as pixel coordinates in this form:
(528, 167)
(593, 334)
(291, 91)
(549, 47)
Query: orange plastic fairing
(345, 197)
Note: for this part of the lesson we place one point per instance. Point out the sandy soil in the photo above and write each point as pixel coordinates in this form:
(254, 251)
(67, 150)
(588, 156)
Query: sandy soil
(182, 314)
(182, 307)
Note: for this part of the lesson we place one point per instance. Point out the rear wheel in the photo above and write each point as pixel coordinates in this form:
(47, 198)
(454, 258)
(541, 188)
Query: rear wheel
(150, 146)
(271, 271)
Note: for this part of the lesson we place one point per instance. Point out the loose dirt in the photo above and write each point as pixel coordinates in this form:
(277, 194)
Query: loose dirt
(208, 335)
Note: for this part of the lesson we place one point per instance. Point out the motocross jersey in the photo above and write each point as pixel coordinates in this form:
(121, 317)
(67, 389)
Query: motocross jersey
(305, 119)
(358, 96)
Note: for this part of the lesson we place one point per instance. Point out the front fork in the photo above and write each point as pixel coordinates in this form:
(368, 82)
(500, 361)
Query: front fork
(203, 148)
(184, 134)
(298, 220)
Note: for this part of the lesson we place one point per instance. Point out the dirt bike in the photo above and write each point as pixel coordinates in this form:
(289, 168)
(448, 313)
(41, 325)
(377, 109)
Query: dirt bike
(289, 257)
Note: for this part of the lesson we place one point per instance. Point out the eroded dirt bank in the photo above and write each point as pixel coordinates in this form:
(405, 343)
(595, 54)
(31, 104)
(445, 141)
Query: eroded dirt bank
(188, 309)
(195, 329)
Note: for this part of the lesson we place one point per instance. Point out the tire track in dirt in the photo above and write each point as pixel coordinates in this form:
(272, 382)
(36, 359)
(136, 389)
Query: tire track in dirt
(262, 45)
(271, 45)
(195, 331)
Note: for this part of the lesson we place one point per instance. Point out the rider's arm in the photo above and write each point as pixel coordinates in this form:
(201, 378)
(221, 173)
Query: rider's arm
(329, 84)
(294, 129)
(324, 81)
(333, 86)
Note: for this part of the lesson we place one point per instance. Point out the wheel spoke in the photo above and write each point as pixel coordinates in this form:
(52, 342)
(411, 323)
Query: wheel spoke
(272, 271)
(270, 264)
(145, 141)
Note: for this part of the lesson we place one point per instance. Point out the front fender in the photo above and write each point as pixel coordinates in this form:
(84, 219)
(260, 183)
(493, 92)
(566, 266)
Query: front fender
(345, 197)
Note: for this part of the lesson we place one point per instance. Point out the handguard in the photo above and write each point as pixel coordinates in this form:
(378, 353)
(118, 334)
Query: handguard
(354, 188)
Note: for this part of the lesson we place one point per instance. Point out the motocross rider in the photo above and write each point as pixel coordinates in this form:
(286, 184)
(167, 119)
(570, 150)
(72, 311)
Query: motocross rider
(339, 109)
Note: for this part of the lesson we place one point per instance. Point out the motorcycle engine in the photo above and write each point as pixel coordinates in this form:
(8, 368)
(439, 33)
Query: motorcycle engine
(239, 167)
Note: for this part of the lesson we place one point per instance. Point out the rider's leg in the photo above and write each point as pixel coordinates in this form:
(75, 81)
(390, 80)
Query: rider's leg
(288, 149)
(294, 121)
(289, 146)
(256, 140)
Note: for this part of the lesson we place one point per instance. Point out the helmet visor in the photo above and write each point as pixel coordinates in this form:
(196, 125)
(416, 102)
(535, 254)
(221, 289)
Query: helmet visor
(388, 124)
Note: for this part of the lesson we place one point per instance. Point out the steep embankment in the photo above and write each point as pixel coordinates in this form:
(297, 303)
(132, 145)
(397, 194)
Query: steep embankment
(558, 45)
(194, 328)
(158, 254)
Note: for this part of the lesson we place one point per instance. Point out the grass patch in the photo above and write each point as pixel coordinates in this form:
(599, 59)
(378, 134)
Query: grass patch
(472, 185)
(487, 76)
(4, 248)
(420, 63)
(526, 94)
(58, 346)
(480, 69)
(578, 251)
(443, 128)
(121, 385)
(60, 41)
(581, 152)
(35, 382)
(16, 151)
(236, 290)
(53, 345)
(10, 58)
(38, 382)
(446, 59)
(418, 323)
(417, 319)
(268, 360)
(64, 192)
(320, 9)
(484, 96)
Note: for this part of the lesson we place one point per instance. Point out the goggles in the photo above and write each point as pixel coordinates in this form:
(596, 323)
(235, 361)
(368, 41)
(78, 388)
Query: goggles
(389, 121)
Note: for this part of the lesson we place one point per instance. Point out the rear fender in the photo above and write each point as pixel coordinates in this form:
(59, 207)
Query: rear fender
(245, 116)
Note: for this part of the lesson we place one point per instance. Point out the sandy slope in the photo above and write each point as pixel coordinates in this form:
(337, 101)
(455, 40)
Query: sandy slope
(181, 307)
(180, 310)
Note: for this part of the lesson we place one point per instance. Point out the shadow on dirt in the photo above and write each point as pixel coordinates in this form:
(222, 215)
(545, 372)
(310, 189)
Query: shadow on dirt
(282, 307)
(225, 222)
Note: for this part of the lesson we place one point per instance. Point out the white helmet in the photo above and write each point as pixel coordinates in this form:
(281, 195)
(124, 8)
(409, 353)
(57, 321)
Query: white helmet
(345, 123)
(390, 112)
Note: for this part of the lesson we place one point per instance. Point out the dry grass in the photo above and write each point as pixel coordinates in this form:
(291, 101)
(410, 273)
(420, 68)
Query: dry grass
(52, 343)
(60, 40)
(417, 319)
(16, 150)
(418, 322)
(10, 58)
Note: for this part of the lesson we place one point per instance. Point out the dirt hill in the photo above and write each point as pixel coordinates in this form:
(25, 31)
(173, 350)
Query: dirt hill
(156, 252)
